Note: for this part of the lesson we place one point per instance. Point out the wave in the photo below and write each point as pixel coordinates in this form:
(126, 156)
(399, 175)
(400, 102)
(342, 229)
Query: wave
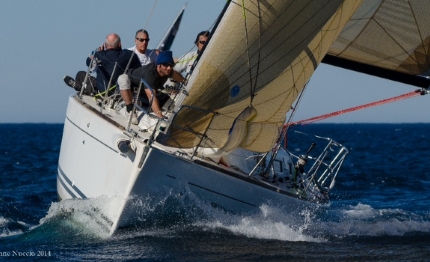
(363, 220)
(9, 228)
(175, 214)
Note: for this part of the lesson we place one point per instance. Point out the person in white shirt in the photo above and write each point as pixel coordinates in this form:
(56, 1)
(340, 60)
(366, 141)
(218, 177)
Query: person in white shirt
(144, 54)
(185, 62)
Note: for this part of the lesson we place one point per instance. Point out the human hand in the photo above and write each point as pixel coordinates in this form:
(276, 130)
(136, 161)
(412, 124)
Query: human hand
(101, 48)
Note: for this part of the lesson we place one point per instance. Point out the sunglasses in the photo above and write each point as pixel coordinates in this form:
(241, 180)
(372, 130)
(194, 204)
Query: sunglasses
(167, 65)
(142, 39)
(202, 42)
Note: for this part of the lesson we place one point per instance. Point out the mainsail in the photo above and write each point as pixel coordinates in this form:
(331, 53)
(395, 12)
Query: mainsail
(389, 39)
(261, 55)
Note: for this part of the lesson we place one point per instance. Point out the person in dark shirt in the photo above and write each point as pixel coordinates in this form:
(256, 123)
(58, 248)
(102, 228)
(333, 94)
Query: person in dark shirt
(109, 57)
(112, 57)
(155, 75)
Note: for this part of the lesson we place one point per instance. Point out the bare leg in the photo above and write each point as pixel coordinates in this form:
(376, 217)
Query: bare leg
(125, 90)
(127, 96)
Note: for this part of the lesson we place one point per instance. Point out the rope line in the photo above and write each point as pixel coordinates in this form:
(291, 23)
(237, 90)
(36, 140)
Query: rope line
(253, 85)
(183, 61)
(150, 14)
(247, 48)
(340, 112)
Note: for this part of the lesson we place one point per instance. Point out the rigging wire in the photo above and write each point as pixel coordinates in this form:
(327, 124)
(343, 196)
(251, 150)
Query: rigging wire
(110, 82)
(144, 26)
(150, 14)
(283, 134)
(259, 53)
(376, 103)
(211, 29)
(299, 99)
(90, 68)
(252, 86)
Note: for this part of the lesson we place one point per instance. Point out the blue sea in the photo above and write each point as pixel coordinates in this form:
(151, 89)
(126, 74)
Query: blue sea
(379, 210)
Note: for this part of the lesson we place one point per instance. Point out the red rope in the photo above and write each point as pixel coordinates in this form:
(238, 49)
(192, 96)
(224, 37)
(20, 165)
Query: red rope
(388, 100)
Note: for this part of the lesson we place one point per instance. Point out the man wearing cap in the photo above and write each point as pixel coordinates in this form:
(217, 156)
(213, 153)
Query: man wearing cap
(155, 76)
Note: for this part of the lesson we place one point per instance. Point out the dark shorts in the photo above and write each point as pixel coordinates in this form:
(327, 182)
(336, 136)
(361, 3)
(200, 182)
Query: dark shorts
(90, 88)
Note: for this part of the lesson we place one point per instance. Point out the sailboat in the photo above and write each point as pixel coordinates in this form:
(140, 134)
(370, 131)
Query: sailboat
(222, 135)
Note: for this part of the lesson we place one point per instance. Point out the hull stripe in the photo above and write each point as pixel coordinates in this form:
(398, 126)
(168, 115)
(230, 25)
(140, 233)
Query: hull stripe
(66, 187)
(61, 175)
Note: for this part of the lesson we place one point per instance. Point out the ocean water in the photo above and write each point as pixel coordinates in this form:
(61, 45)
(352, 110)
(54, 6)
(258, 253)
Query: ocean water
(379, 209)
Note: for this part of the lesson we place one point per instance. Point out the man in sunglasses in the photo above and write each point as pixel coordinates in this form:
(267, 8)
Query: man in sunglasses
(140, 48)
(155, 75)
(186, 61)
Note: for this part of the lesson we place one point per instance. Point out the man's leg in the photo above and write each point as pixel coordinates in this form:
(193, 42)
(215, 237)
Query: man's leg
(126, 94)
(125, 90)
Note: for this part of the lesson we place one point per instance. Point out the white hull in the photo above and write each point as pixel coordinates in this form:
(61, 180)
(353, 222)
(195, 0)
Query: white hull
(91, 165)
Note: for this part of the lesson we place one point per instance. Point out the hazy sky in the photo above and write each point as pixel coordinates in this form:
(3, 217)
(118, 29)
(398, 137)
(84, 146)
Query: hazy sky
(43, 40)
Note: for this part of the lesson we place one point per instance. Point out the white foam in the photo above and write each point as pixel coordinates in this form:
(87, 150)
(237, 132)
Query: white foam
(363, 220)
(3, 221)
(83, 218)
(271, 223)
(5, 231)
(89, 216)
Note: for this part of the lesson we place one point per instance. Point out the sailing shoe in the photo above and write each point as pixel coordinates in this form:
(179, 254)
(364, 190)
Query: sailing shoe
(69, 81)
(134, 119)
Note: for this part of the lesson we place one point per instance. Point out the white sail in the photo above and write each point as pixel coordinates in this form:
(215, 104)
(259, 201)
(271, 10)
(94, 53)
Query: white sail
(386, 38)
(256, 56)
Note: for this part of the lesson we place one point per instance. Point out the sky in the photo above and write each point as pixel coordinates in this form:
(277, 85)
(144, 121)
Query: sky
(43, 40)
